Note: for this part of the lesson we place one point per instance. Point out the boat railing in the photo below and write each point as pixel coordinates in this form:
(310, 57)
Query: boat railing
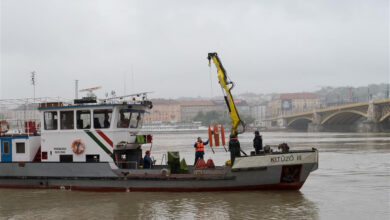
(21, 116)
(21, 126)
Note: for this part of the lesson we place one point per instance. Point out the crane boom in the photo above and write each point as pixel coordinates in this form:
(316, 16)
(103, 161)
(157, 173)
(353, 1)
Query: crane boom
(238, 126)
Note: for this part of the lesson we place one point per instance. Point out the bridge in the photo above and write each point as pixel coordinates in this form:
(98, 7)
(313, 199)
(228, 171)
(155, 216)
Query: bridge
(372, 116)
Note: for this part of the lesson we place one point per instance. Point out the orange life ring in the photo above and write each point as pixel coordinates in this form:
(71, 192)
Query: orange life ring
(78, 146)
(1, 126)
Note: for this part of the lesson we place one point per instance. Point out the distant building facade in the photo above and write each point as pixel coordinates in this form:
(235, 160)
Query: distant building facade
(242, 107)
(258, 112)
(189, 109)
(164, 110)
(291, 103)
(168, 110)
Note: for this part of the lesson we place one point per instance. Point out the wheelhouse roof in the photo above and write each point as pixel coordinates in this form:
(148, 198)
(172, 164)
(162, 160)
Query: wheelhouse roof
(91, 106)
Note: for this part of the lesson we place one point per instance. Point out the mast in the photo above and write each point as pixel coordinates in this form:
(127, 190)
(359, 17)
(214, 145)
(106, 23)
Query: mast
(76, 89)
(33, 84)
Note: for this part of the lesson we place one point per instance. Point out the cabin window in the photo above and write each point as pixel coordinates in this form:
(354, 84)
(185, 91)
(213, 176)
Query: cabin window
(67, 121)
(140, 118)
(102, 118)
(129, 118)
(50, 119)
(66, 158)
(124, 118)
(5, 147)
(83, 119)
(134, 120)
(20, 148)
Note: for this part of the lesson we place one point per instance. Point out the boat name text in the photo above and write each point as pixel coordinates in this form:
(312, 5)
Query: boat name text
(60, 150)
(285, 158)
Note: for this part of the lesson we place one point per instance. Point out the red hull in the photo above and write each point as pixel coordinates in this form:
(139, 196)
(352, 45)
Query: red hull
(280, 186)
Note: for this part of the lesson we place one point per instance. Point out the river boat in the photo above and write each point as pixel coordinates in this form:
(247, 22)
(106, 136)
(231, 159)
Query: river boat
(95, 145)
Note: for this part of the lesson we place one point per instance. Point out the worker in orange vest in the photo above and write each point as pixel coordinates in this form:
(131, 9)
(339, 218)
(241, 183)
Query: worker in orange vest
(199, 149)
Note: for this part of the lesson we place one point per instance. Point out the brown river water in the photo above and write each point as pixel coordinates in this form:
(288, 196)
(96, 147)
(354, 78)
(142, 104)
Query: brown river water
(352, 182)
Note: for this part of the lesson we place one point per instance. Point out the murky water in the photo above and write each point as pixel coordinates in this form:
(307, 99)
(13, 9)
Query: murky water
(352, 182)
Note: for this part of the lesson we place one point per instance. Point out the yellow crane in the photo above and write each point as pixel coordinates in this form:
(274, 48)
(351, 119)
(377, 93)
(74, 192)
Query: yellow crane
(238, 126)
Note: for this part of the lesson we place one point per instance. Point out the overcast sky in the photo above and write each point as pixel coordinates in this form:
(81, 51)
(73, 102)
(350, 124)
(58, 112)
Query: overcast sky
(161, 46)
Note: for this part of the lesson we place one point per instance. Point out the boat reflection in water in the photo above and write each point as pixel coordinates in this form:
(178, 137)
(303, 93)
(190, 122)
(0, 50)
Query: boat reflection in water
(136, 205)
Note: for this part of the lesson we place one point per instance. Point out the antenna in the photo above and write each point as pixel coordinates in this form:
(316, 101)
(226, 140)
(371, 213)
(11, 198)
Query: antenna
(76, 89)
(33, 83)
(90, 91)
(143, 95)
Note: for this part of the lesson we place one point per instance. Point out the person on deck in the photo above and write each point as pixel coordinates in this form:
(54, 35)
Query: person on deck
(147, 160)
(258, 142)
(234, 148)
(199, 149)
(106, 121)
(123, 122)
(96, 123)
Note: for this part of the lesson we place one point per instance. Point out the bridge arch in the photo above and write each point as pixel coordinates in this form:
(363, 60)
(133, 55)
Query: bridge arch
(353, 116)
(300, 123)
(384, 117)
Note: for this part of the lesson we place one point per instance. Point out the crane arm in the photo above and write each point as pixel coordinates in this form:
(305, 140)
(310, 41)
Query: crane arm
(238, 126)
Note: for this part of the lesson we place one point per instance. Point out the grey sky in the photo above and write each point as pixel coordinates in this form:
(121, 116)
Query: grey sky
(266, 46)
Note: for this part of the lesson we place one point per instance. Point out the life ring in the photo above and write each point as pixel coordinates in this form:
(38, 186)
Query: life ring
(78, 146)
(1, 126)
(165, 172)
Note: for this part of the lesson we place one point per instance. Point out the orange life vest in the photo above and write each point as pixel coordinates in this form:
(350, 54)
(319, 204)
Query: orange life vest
(199, 146)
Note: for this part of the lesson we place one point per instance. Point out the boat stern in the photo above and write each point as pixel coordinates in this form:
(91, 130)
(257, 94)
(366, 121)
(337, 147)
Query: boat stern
(277, 170)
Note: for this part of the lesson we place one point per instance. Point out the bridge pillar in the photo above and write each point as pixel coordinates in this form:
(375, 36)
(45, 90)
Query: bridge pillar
(372, 123)
(282, 122)
(372, 112)
(316, 125)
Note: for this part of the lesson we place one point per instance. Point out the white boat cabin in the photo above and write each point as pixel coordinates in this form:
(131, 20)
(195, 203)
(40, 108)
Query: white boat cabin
(19, 148)
(83, 131)
(91, 132)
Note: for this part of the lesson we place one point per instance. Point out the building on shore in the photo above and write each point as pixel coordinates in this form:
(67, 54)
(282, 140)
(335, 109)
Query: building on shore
(189, 109)
(292, 103)
(173, 111)
(242, 107)
(258, 112)
(164, 110)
